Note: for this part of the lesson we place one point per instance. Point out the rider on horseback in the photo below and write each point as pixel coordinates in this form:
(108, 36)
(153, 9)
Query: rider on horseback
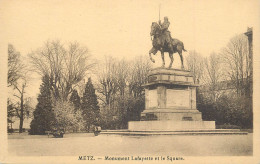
(166, 34)
(163, 42)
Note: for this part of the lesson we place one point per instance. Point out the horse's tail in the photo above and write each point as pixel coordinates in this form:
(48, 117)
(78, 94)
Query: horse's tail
(183, 47)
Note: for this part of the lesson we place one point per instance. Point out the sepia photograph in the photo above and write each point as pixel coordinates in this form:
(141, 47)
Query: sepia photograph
(129, 81)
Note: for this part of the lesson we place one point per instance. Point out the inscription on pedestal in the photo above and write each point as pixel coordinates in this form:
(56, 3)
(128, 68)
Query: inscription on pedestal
(178, 98)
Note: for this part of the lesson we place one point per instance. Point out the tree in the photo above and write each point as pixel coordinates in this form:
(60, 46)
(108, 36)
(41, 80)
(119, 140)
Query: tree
(17, 80)
(213, 73)
(15, 66)
(195, 64)
(232, 110)
(10, 113)
(236, 59)
(75, 99)
(121, 76)
(20, 109)
(107, 86)
(90, 106)
(139, 75)
(22, 105)
(64, 66)
(66, 117)
(121, 91)
(207, 107)
(43, 115)
(231, 106)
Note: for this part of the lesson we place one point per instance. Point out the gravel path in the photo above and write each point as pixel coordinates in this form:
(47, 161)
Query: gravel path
(88, 144)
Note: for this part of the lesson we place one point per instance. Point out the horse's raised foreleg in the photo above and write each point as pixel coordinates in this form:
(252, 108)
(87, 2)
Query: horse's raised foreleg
(171, 57)
(154, 51)
(163, 61)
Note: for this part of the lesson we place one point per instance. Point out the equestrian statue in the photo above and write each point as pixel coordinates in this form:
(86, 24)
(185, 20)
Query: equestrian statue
(163, 42)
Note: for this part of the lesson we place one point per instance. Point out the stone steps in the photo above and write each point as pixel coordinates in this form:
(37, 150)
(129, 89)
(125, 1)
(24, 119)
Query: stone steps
(192, 130)
(183, 132)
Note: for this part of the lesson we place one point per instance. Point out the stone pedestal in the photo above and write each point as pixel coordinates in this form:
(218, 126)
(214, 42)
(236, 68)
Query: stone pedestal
(170, 102)
(170, 95)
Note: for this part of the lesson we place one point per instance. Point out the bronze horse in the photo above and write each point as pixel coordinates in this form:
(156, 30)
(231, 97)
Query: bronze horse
(158, 45)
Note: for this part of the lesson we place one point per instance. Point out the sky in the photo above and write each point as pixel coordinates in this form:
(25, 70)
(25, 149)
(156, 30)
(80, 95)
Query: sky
(121, 28)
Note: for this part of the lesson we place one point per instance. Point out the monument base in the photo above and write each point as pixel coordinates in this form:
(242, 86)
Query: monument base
(171, 114)
(170, 125)
(170, 103)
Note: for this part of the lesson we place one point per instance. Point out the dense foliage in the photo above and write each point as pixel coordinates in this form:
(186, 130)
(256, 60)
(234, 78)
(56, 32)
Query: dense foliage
(121, 92)
(43, 115)
(75, 99)
(89, 106)
(228, 109)
(66, 117)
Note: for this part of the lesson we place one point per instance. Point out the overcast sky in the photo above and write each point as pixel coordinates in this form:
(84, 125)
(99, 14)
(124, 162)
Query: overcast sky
(121, 28)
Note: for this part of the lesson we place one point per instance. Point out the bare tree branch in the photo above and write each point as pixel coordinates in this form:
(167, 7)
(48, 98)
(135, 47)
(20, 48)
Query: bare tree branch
(65, 66)
(235, 56)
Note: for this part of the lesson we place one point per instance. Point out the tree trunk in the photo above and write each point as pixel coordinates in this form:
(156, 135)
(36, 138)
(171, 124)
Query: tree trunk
(21, 116)
(21, 126)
